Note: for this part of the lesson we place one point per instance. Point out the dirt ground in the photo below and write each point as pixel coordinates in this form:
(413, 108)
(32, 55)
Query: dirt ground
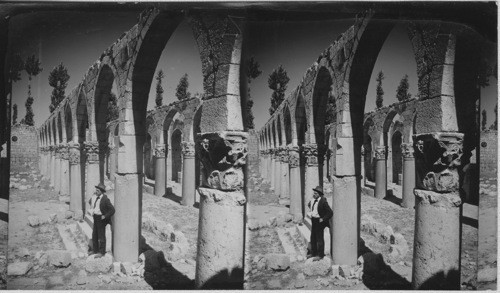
(25, 241)
(487, 257)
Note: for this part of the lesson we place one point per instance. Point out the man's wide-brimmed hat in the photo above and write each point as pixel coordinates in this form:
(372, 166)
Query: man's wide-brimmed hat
(319, 189)
(101, 187)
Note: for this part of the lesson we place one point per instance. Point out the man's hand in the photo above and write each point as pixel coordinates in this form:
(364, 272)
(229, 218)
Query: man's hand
(103, 217)
(321, 220)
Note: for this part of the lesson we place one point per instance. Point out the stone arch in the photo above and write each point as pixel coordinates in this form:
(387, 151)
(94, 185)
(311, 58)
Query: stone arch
(68, 123)
(322, 87)
(59, 128)
(300, 120)
(279, 130)
(102, 93)
(287, 123)
(82, 118)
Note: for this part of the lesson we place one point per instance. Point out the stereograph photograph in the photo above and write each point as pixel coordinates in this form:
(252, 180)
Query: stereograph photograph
(248, 145)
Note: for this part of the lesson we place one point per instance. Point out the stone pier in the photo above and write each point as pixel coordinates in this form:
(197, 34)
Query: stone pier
(188, 174)
(57, 169)
(92, 165)
(295, 186)
(363, 174)
(112, 163)
(65, 170)
(436, 252)
(310, 152)
(408, 176)
(380, 172)
(160, 176)
(284, 179)
(271, 168)
(277, 172)
(76, 192)
(52, 164)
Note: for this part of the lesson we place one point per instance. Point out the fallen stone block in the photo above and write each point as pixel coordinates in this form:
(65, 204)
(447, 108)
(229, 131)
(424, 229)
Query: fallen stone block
(59, 258)
(98, 265)
(398, 238)
(52, 218)
(33, 221)
(116, 267)
(397, 252)
(68, 214)
(335, 270)
(127, 268)
(317, 268)
(277, 262)
(78, 215)
(385, 234)
(252, 226)
(18, 268)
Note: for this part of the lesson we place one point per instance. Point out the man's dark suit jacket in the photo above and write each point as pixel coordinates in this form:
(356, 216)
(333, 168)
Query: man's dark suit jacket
(106, 208)
(324, 210)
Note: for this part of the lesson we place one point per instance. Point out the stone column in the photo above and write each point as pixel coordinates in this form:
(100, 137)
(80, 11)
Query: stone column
(112, 163)
(52, 165)
(92, 165)
(408, 175)
(65, 170)
(188, 174)
(263, 164)
(388, 162)
(57, 169)
(222, 210)
(271, 167)
(363, 175)
(168, 167)
(295, 186)
(380, 173)
(277, 172)
(310, 152)
(436, 252)
(76, 190)
(160, 186)
(285, 179)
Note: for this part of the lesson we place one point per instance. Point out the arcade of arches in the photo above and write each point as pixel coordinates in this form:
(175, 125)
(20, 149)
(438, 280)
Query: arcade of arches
(203, 145)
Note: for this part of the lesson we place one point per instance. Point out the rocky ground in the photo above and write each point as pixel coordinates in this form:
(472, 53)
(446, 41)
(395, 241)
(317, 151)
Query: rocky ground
(385, 252)
(3, 255)
(487, 257)
(47, 251)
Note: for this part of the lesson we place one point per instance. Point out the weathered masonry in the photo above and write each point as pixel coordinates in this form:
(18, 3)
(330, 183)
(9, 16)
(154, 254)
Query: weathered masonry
(432, 136)
(78, 148)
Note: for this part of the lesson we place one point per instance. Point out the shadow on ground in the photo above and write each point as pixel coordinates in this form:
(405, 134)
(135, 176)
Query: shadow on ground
(377, 274)
(159, 273)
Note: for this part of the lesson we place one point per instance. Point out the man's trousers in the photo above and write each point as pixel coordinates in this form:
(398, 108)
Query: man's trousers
(99, 235)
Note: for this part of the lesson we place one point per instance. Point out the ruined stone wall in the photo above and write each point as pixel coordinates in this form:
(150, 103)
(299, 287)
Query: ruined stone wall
(24, 145)
(488, 153)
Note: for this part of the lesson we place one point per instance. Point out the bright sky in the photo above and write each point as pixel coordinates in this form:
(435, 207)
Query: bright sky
(78, 39)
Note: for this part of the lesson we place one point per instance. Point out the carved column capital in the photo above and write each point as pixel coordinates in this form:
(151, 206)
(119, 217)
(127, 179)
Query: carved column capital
(223, 155)
(160, 151)
(284, 154)
(407, 150)
(51, 149)
(438, 156)
(74, 153)
(188, 149)
(91, 151)
(310, 152)
(63, 150)
(380, 153)
(57, 151)
(294, 156)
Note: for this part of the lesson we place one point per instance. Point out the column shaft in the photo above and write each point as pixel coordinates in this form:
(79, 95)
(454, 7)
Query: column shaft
(57, 171)
(271, 176)
(160, 187)
(188, 174)
(380, 173)
(277, 174)
(52, 166)
(295, 183)
(76, 191)
(408, 176)
(344, 223)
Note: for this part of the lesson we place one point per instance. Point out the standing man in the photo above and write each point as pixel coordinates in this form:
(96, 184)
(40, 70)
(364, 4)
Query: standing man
(102, 210)
(320, 214)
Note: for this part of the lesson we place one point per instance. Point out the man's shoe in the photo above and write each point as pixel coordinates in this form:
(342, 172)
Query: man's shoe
(309, 256)
(98, 255)
(316, 258)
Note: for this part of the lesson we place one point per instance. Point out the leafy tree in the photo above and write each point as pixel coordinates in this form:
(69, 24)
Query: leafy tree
(402, 92)
(494, 126)
(58, 79)
(483, 122)
(14, 114)
(181, 90)
(159, 88)
(113, 110)
(252, 73)
(380, 91)
(32, 68)
(277, 81)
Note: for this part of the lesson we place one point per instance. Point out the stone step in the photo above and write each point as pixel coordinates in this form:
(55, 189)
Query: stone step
(67, 238)
(288, 240)
(305, 232)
